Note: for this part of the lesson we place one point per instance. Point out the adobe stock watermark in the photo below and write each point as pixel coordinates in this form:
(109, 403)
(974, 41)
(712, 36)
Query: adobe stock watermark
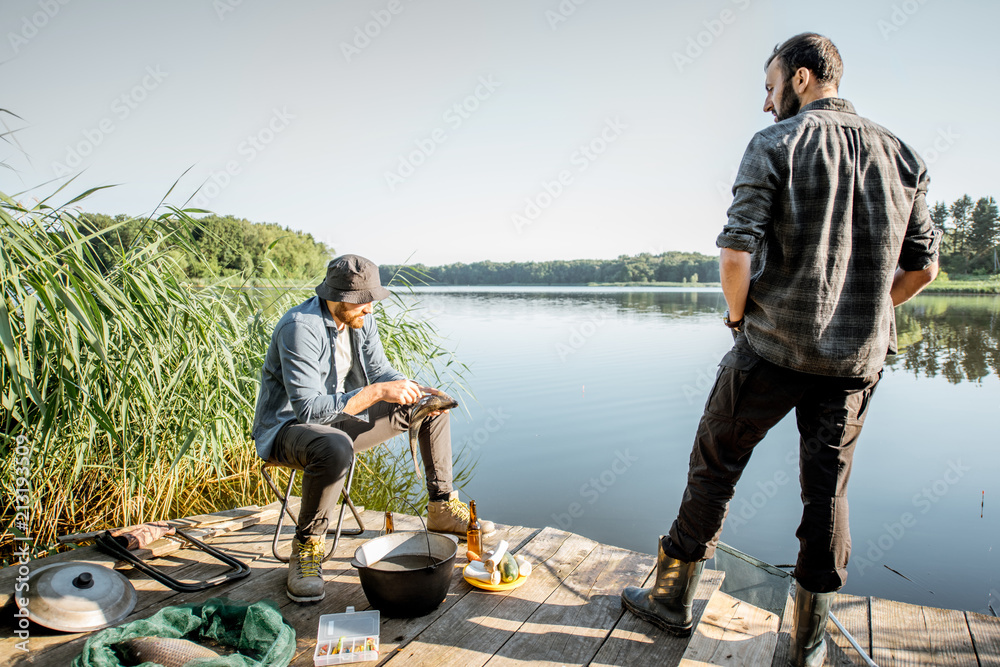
(725, 188)
(562, 12)
(248, 149)
(36, 22)
(704, 39)
(942, 143)
(364, 34)
(223, 7)
(454, 117)
(595, 487)
(579, 334)
(923, 501)
(703, 382)
(899, 16)
(495, 420)
(581, 159)
(22, 550)
(121, 108)
(768, 489)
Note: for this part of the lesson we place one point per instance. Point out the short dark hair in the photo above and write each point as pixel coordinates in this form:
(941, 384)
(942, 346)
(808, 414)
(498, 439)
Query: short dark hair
(814, 52)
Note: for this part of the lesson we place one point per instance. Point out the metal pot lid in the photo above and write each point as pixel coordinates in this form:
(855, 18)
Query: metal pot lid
(78, 597)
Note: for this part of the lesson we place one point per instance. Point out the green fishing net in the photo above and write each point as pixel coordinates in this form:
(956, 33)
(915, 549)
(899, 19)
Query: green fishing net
(257, 632)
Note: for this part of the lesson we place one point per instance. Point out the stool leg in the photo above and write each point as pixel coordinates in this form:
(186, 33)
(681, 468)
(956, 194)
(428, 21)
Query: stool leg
(284, 508)
(345, 503)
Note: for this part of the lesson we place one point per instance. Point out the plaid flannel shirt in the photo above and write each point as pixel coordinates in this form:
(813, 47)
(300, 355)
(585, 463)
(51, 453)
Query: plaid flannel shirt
(829, 204)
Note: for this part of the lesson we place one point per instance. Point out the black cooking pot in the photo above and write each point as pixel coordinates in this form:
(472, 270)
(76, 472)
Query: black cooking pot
(406, 574)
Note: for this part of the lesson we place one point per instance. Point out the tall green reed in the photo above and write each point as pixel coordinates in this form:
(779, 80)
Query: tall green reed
(135, 392)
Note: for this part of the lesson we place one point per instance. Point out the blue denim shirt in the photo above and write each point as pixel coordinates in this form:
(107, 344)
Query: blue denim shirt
(299, 378)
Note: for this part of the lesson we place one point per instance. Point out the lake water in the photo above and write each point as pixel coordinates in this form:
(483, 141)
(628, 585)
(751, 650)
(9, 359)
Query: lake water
(586, 404)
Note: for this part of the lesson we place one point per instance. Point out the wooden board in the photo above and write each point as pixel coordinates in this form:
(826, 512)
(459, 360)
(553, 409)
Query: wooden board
(781, 651)
(577, 617)
(633, 641)
(51, 648)
(568, 612)
(905, 634)
(854, 613)
(397, 633)
(732, 632)
(986, 637)
(481, 622)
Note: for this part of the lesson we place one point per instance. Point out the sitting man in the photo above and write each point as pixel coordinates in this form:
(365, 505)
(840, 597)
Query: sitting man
(328, 391)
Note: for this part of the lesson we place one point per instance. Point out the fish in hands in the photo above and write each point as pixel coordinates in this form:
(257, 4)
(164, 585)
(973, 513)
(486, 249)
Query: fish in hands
(430, 405)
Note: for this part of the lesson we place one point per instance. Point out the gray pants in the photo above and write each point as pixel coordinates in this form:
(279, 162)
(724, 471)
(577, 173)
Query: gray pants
(323, 454)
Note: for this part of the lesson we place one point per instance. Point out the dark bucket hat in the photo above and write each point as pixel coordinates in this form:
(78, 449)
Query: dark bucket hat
(351, 279)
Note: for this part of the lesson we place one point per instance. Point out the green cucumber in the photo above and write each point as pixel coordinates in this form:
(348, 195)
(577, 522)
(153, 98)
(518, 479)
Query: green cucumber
(508, 568)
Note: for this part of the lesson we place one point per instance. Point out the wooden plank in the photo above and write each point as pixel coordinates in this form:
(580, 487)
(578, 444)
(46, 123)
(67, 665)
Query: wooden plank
(397, 633)
(49, 647)
(636, 642)
(576, 618)
(782, 650)
(266, 581)
(732, 633)
(985, 632)
(854, 613)
(906, 634)
(201, 520)
(481, 622)
(89, 554)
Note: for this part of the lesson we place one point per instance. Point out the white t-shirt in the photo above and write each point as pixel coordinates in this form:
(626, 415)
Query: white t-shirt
(342, 356)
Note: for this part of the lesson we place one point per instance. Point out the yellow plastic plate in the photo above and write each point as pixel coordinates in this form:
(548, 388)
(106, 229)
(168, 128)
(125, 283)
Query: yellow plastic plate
(495, 588)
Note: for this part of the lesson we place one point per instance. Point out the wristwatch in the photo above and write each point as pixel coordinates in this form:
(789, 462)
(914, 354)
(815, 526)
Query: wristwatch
(735, 326)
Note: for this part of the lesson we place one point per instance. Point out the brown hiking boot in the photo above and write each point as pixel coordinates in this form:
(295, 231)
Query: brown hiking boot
(305, 570)
(452, 516)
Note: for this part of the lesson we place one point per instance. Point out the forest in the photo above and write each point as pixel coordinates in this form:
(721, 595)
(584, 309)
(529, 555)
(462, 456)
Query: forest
(971, 235)
(216, 246)
(673, 267)
(219, 246)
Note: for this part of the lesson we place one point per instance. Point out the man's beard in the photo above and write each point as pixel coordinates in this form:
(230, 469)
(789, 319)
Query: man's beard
(341, 313)
(790, 103)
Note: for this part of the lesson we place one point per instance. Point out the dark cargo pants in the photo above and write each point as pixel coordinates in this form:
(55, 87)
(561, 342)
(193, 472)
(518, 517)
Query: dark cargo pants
(749, 397)
(323, 454)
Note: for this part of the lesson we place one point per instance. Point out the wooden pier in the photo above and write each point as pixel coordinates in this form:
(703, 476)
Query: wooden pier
(568, 612)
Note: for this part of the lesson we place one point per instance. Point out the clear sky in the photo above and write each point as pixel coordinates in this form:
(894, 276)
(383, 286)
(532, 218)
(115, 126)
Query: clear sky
(444, 131)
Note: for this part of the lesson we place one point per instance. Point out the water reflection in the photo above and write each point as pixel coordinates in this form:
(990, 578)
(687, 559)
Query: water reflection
(954, 336)
(957, 337)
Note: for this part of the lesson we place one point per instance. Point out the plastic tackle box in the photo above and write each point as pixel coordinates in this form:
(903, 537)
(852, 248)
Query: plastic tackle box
(348, 637)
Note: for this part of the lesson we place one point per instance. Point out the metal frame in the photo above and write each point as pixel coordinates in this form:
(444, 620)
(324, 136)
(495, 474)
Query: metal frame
(345, 494)
(237, 569)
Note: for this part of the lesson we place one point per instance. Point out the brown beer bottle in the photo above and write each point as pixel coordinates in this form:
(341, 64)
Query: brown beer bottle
(389, 527)
(474, 533)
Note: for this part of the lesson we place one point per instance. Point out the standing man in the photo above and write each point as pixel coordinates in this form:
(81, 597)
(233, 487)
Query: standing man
(828, 231)
(328, 391)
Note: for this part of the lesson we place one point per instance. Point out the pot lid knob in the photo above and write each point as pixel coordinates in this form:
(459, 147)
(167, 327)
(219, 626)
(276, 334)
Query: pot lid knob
(84, 580)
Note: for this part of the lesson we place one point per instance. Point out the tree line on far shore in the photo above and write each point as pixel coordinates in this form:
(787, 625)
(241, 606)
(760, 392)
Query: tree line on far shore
(674, 267)
(220, 246)
(971, 235)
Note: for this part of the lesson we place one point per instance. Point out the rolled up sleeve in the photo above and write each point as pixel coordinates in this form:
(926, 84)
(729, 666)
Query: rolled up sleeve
(920, 245)
(757, 180)
(301, 349)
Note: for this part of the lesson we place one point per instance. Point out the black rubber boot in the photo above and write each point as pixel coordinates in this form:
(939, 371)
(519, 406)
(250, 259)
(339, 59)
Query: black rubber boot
(667, 604)
(812, 612)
